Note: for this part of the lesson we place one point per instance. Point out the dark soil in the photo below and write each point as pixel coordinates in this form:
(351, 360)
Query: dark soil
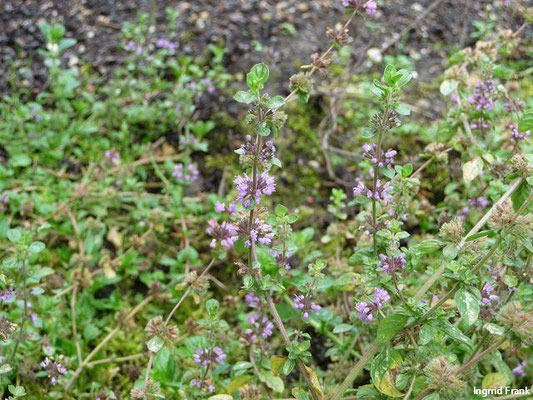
(288, 31)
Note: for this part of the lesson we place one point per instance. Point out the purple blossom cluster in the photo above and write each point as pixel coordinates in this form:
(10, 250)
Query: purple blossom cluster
(515, 135)
(261, 327)
(221, 208)
(481, 124)
(479, 202)
(391, 264)
(134, 48)
(248, 148)
(252, 300)
(258, 232)
(370, 152)
(383, 190)
(281, 258)
(482, 97)
(516, 105)
(112, 156)
(519, 370)
(165, 44)
(264, 185)
(54, 370)
(367, 7)
(208, 83)
(189, 174)
(7, 294)
(202, 383)
(205, 356)
(4, 197)
(366, 309)
(305, 304)
(224, 233)
(486, 294)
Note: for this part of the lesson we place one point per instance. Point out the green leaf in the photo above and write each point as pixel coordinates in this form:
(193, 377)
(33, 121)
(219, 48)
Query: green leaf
(472, 168)
(273, 382)
(428, 246)
(405, 78)
(212, 306)
(14, 235)
(380, 373)
(37, 247)
(288, 366)
(5, 369)
(256, 78)
(242, 365)
(426, 335)
(277, 363)
(494, 329)
(520, 195)
(447, 87)
(526, 122)
(454, 332)
(389, 74)
(468, 306)
(155, 344)
(263, 130)
(390, 325)
(403, 109)
(221, 397)
(281, 210)
(495, 380)
(275, 102)
(244, 97)
(450, 252)
(342, 328)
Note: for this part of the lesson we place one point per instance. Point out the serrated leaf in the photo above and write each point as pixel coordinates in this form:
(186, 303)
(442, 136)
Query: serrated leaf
(277, 363)
(472, 168)
(495, 380)
(155, 344)
(448, 86)
(342, 328)
(468, 306)
(244, 97)
(390, 325)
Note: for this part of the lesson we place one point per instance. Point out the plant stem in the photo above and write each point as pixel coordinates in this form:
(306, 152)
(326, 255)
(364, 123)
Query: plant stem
(355, 371)
(436, 275)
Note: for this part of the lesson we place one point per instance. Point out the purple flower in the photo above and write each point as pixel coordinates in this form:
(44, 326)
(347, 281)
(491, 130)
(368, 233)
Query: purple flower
(368, 7)
(165, 44)
(482, 97)
(221, 207)
(133, 47)
(54, 369)
(481, 124)
(263, 328)
(252, 299)
(268, 150)
(479, 202)
(206, 356)
(365, 309)
(190, 174)
(516, 105)
(305, 304)
(486, 294)
(281, 258)
(201, 383)
(225, 233)
(383, 190)
(112, 156)
(4, 198)
(519, 370)
(259, 232)
(392, 264)
(6, 295)
(264, 185)
(518, 135)
(382, 159)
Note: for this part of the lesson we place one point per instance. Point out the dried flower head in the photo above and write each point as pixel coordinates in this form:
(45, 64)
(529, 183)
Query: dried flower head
(517, 321)
(6, 328)
(157, 327)
(452, 231)
(443, 378)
